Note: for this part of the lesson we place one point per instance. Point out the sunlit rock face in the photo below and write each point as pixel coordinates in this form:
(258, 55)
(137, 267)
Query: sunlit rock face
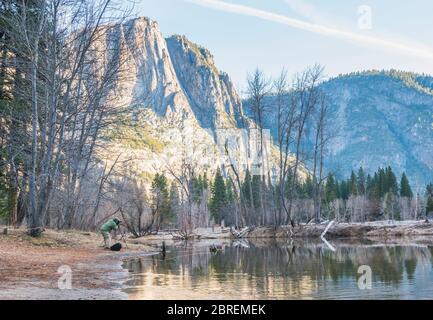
(212, 96)
(147, 76)
(171, 76)
(182, 104)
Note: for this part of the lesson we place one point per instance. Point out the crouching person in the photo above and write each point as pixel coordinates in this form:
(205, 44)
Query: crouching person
(107, 228)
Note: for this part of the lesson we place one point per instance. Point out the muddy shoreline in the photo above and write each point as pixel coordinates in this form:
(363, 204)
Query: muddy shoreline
(29, 267)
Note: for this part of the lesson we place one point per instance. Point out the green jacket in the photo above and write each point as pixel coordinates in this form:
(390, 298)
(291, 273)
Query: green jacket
(109, 226)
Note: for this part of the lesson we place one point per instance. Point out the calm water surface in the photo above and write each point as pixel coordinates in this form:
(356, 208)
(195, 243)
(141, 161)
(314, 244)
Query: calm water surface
(279, 270)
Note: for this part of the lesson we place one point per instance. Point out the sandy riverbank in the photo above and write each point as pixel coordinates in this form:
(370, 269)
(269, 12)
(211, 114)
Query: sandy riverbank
(29, 266)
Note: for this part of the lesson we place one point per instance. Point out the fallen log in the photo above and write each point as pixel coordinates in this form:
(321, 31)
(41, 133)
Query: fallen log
(327, 228)
(178, 236)
(242, 243)
(242, 233)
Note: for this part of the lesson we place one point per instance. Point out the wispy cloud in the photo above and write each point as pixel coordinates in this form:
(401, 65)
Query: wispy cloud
(310, 12)
(365, 40)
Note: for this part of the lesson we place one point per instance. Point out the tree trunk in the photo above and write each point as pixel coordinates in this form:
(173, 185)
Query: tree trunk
(35, 223)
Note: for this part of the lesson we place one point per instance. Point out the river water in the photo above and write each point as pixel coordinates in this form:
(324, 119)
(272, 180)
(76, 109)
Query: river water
(283, 270)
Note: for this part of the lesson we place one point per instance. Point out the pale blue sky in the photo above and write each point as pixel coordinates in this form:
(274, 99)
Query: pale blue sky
(257, 33)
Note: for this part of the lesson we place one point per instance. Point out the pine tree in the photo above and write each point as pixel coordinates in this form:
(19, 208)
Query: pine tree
(306, 190)
(369, 186)
(377, 185)
(255, 185)
(429, 190)
(429, 206)
(382, 183)
(218, 201)
(230, 194)
(331, 189)
(353, 184)
(246, 189)
(161, 197)
(337, 189)
(405, 190)
(344, 190)
(429, 196)
(391, 182)
(197, 189)
(361, 181)
(205, 182)
(174, 202)
(200, 182)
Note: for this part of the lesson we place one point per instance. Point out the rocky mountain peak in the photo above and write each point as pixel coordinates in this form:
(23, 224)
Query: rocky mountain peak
(199, 55)
(174, 77)
(213, 98)
(182, 97)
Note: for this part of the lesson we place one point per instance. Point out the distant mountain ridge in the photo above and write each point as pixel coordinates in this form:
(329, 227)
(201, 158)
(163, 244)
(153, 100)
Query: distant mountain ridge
(381, 118)
(385, 118)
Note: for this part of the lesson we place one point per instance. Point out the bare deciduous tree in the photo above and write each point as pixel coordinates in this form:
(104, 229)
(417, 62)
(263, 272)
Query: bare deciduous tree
(61, 84)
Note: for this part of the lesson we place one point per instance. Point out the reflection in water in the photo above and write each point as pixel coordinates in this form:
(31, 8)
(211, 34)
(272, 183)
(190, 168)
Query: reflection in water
(281, 271)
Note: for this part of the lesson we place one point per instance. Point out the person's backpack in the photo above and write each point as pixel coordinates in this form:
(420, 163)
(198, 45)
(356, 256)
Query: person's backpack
(116, 247)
